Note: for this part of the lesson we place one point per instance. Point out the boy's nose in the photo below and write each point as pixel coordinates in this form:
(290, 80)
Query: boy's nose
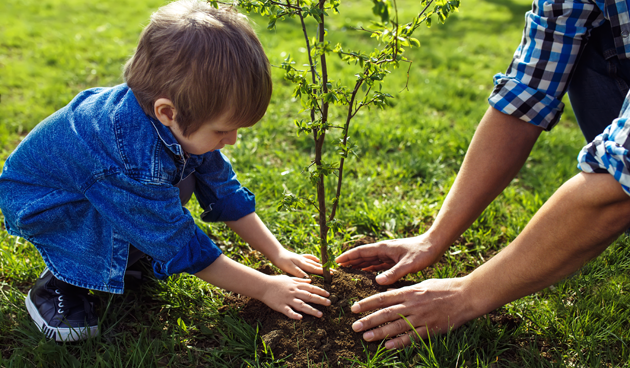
(230, 138)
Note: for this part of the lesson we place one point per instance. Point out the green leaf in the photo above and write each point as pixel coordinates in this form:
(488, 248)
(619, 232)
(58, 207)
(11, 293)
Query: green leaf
(182, 325)
(382, 9)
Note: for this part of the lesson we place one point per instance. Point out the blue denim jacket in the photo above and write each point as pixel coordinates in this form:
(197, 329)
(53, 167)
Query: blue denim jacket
(99, 175)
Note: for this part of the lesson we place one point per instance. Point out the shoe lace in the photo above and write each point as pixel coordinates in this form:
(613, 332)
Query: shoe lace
(66, 302)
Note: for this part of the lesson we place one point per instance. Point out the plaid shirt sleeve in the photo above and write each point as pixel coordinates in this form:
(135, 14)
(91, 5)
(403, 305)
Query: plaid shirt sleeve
(619, 16)
(555, 33)
(609, 151)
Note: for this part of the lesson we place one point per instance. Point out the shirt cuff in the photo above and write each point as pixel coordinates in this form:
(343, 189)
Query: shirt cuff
(608, 153)
(230, 208)
(515, 98)
(198, 254)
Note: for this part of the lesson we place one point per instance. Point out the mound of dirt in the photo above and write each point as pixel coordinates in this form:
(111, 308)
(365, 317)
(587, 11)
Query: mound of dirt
(328, 341)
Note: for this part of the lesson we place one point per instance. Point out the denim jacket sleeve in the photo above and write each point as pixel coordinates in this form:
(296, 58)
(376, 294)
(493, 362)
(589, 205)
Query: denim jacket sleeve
(151, 218)
(219, 193)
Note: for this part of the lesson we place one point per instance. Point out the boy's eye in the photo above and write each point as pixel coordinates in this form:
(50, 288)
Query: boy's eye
(222, 132)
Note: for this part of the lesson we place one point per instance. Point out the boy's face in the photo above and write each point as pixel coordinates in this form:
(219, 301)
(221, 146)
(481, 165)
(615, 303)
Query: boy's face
(212, 135)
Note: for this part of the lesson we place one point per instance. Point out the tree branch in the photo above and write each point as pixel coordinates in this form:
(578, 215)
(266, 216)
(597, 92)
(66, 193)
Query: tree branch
(308, 44)
(287, 5)
(319, 144)
(345, 141)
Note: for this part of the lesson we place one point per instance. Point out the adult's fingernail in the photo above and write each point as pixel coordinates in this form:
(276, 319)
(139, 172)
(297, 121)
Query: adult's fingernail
(355, 308)
(390, 345)
(357, 326)
(368, 336)
(381, 278)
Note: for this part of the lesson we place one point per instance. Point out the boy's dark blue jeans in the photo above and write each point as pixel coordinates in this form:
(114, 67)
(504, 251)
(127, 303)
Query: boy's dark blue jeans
(599, 84)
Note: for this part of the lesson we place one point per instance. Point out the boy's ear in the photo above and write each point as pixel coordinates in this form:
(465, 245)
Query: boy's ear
(164, 111)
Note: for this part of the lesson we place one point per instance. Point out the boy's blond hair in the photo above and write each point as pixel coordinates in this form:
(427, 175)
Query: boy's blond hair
(207, 61)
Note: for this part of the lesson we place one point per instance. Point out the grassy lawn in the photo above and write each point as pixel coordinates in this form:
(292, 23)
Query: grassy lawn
(407, 158)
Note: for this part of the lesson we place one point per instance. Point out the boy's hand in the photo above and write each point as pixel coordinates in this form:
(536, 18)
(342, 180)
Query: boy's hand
(296, 264)
(289, 295)
(254, 232)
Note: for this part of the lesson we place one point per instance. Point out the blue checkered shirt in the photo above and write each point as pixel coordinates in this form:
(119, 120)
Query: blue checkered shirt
(609, 151)
(555, 33)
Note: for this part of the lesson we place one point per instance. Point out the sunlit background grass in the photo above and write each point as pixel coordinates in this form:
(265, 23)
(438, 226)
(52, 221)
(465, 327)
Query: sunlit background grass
(406, 159)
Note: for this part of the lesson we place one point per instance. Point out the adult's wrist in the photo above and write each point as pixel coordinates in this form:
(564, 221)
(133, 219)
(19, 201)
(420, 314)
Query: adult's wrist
(476, 300)
(438, 242)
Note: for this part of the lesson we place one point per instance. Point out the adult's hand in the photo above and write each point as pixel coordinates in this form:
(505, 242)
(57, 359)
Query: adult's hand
(397, 257)
(434, 306)
(575, 225)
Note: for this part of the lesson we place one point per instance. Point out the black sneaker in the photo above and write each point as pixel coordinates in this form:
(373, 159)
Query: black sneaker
(61, 311)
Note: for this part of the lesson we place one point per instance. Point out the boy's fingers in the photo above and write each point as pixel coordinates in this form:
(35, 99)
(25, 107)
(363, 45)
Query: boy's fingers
(311, 257)
(314, 263)
(298, 272)
(313, 298)
(287, 311)
(315, 290)
(312, 267)
(301, 280)
(299, 305)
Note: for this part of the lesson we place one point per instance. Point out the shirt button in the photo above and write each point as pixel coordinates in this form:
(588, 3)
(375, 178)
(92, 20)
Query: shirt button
(625, 33)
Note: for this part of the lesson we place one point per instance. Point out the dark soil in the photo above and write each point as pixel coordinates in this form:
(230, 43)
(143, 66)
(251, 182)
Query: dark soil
(321, 342)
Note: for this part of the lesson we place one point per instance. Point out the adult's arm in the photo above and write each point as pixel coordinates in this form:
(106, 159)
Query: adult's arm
(497, 152)
(530, 90)
(575, 225)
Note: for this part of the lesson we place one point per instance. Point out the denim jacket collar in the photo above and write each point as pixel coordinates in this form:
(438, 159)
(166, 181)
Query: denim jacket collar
(167, 137)
(171, 143)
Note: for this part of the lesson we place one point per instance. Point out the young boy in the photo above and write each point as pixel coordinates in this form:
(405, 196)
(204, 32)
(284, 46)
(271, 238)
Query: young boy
(107, 174)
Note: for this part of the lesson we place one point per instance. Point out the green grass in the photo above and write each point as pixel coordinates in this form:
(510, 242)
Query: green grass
(407, 158)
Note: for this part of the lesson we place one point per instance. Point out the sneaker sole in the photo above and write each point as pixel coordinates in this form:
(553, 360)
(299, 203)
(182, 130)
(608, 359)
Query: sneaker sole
(58, 333)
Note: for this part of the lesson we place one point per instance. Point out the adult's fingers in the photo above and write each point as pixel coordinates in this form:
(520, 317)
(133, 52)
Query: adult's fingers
(390, 315)
(379, 267)
(393, 325)
(405, 340)
(363, 263)
(359, 262)
(363, 252)
(380, 300)
(395, 273)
